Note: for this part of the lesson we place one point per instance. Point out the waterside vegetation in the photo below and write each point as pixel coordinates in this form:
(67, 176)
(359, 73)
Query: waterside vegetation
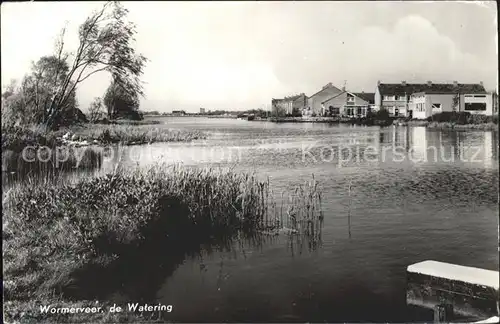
(59, 238)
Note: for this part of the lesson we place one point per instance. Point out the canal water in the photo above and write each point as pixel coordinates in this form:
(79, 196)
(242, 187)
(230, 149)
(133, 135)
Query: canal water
(415, 194)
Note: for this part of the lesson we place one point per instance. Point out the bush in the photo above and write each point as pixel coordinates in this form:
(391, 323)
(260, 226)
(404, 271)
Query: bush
(482, 119)
(460, 118)
(380, 118)
(16, 138)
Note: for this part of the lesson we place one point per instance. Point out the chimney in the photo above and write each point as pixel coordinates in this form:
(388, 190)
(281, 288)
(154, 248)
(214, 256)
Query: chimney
(378, 82)
(429, 83)
(403, 83)
(481, 83)
(343, 88)
(455, 83)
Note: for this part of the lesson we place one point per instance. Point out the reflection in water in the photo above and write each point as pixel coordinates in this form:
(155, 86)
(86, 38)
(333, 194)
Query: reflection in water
(475, 149)
(419, 143)
(488, 149)
(398, 212)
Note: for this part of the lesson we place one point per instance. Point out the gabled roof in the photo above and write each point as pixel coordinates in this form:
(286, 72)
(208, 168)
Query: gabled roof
(366, 96)
(436, 88)
(328, 86)
(334, 97)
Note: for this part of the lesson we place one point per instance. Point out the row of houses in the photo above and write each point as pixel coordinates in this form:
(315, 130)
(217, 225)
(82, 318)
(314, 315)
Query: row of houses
(403, 99)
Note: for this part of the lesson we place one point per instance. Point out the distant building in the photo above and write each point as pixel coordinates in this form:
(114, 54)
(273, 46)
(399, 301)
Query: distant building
(202, 111)
(494, 98)
(315, 102)
(290, 105)
(178, 112)
(348, 104)
(425, 99)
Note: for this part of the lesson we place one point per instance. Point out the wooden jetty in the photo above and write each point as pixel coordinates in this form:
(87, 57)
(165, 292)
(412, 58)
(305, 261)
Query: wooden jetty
(451, 289)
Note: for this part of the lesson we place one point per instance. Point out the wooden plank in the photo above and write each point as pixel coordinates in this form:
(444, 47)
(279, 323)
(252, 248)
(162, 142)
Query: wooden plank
(452, 286)
(493, 319)
(427, 297)
(475, 276)
(471, 291)
(443, 313)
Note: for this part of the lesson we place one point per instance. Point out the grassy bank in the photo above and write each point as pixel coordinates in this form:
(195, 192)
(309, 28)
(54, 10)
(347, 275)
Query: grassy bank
(450, 125)
(65, 244)
(344, 120)
(32, 150)
(16, 138)
(66, 141)
(132, 134)
(458, 121)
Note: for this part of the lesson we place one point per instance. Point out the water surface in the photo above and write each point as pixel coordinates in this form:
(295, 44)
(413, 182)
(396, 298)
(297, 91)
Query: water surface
(433, 195)
(416, 194)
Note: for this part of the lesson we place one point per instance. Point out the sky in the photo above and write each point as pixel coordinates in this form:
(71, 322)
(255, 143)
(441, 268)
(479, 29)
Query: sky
(240, 55)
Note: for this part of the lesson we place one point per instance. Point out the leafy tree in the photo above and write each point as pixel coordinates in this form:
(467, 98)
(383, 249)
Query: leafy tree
(28, 103)
(96, 110)
(278, 110)
(456, 102)
(121, 102)
(104, 45)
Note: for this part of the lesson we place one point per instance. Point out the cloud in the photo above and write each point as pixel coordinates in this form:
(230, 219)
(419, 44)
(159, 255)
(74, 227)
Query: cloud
(412, 50)
(416, 51)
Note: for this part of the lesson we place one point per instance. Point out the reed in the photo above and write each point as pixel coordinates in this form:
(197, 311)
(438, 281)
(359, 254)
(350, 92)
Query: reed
(53, 229)
(134, 134)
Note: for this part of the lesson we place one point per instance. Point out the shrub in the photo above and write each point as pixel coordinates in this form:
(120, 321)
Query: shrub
(482, 119)
(460, 118)
(380, 118)
(16, 138)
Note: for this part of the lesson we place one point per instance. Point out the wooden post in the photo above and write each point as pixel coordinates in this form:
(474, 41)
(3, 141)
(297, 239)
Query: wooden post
(443, 313)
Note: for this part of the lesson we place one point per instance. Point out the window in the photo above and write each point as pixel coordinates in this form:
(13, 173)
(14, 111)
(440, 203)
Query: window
(475, 106)
(436, 106)
(400, 97)
(334, 110)
(479, 96)
(389, 98)
(350, 98)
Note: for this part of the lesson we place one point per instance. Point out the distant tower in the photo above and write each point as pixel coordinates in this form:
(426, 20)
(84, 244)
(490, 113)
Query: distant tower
(344, 86)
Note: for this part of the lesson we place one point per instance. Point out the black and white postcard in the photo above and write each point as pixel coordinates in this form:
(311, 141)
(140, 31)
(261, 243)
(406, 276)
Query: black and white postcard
(250, 162)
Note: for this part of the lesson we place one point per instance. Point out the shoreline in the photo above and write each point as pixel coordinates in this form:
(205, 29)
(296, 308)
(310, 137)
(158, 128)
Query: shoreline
(395, 122)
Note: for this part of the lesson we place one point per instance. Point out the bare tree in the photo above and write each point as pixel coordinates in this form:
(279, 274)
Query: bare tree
(105, 45)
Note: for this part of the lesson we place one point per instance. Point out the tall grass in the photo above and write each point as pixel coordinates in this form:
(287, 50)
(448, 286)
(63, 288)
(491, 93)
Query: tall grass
(135, 134)
(51, 231)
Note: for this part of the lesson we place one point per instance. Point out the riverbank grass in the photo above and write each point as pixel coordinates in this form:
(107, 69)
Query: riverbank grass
(54, 234)
(16, 138)
(133, 134)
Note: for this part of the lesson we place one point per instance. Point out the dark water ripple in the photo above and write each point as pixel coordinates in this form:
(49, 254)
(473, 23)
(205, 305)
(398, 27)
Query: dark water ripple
(398, 213)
